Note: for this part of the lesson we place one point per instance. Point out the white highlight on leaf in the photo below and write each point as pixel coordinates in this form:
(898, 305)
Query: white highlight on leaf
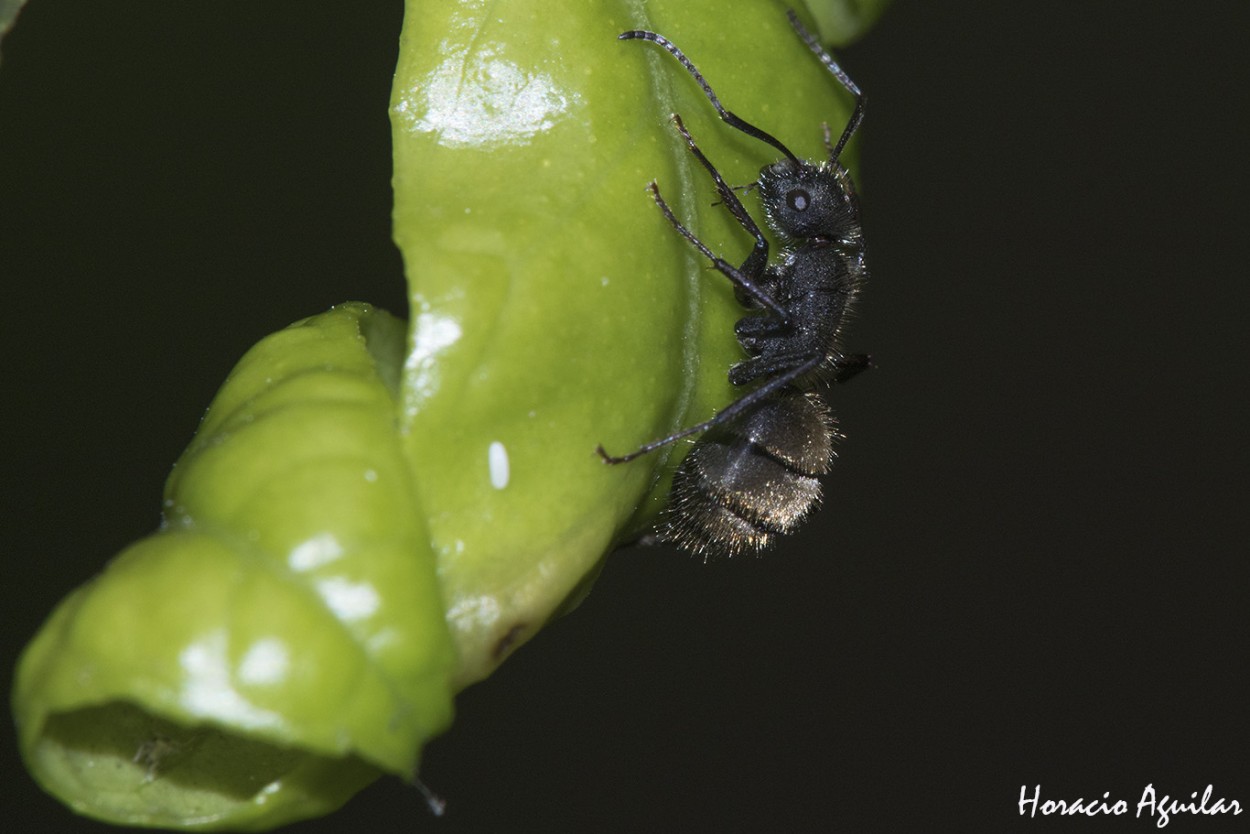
(497, 457)
(474, 613)
(266, 662)
(207, 688)
(321, 549)
(477, 99)
(434, 334)
(349, 600)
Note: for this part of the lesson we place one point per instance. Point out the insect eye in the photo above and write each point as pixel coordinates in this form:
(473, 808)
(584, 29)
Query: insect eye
(798, 199)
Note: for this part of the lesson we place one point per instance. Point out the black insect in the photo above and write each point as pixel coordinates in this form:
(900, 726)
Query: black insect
(755, 476)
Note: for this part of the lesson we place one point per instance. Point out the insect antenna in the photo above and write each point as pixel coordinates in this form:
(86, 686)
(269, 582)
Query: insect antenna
(727, 116)
(857, 115)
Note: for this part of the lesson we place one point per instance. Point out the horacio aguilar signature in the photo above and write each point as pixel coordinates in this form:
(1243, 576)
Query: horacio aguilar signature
(1151, 804)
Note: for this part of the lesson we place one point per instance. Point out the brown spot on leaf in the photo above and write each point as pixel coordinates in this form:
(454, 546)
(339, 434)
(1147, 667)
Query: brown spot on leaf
(509, 640)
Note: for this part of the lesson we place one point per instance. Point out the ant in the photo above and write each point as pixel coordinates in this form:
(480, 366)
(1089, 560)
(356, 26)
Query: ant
(756, 476)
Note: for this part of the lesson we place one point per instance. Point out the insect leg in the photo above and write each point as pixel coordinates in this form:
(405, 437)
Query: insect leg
(727, 413)
(762, 367)
(850, 365)
(758, 259)
(724, 267)
(844, 367)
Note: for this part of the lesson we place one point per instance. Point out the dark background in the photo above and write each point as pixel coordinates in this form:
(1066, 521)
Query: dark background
(1031, 567)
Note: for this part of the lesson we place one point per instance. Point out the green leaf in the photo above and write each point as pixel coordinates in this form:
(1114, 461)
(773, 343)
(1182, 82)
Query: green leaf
(374, 515)
(281, 641)
(554, 307)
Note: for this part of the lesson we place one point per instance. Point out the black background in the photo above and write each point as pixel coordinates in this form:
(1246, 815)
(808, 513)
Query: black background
(1032, 563)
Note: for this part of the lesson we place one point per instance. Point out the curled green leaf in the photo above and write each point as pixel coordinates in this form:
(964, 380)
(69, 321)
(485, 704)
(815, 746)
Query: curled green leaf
(375, 514)
(281, 640)
(554, 308)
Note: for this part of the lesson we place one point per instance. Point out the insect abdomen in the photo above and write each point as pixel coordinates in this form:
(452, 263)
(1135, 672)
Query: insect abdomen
(753, 479)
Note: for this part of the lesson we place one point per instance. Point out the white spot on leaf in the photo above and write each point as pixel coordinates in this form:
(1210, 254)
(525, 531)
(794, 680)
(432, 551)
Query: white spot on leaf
(474, 613)
(434, 334)
(265, 662)
(208, 688)
(349, 600)
(321, 549)
(497, 458)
